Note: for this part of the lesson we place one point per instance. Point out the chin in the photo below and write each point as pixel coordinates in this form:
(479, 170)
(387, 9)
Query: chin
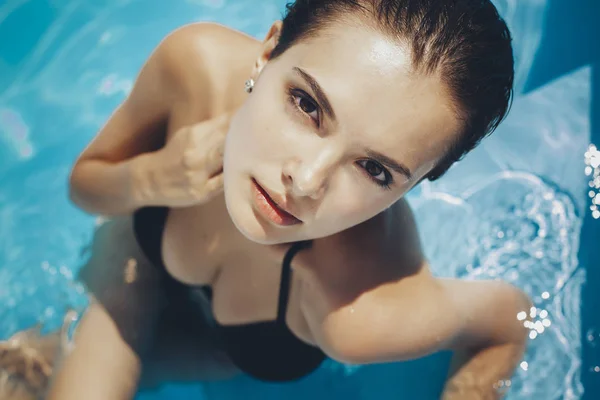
(249, 224)
(256, 231)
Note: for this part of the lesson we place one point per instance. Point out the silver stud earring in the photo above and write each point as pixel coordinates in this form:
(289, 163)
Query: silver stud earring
(249, 85)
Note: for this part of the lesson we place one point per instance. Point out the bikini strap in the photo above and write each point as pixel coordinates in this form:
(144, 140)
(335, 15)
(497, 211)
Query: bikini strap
(286, 271)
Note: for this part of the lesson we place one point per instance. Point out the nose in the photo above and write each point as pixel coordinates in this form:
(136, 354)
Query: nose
(310, 178)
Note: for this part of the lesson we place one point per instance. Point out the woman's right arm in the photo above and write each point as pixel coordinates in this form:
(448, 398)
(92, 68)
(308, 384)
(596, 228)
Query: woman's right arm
(118, 172)
(100, 366)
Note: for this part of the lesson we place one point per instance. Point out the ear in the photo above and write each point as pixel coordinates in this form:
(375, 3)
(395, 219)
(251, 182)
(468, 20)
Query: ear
(269, 43)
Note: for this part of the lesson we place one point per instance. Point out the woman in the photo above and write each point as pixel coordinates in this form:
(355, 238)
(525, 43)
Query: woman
(215, 194)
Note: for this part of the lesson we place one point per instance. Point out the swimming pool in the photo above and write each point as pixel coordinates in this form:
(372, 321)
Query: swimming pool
(517, 208)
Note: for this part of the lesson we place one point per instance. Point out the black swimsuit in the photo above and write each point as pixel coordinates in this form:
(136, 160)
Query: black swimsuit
(268, 351)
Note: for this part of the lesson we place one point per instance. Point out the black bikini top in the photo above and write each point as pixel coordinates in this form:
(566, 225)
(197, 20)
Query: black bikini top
(267, 350)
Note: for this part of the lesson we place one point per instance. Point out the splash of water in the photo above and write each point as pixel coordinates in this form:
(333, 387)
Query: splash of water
(519, 228)
(592, 170)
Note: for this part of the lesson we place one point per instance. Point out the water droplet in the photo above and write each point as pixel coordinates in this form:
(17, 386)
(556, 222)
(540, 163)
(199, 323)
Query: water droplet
(539, 254)
(539, 327)
(533, 335)
(66, 272)
(532, 312)
(546, 322)
(592, 337)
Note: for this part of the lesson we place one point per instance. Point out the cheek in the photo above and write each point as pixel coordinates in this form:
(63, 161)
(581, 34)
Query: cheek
(253, 130)
(341, 214)
(251, 139)
(264, 120)
(356, 211)
(350, 207)
(239, 141)
(356, 203)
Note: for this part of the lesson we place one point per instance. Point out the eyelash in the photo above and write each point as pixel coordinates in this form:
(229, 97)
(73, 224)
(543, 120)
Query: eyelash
(294, 94)
(388, 177)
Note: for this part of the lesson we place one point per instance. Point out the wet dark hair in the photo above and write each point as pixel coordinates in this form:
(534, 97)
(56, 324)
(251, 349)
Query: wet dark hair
(465, 41)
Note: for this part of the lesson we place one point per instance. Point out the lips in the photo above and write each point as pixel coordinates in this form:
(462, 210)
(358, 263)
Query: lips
(270, 209)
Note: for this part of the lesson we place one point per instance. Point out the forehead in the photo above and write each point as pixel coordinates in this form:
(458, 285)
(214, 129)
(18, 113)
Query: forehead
(376, 96)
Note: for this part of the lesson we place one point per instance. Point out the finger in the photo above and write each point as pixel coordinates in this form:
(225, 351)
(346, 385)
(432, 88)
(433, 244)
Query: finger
(214, 186)
(205, 159)
(215, 123)
(223, 119)
(214, 161)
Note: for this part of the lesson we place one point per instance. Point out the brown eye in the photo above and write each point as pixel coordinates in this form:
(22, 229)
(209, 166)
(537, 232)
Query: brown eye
(307, 106)
(373, 168)
(376, 172)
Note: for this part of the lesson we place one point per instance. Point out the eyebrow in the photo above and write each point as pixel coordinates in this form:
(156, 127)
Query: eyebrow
(322, 98)
(319, 93)
(390, 163)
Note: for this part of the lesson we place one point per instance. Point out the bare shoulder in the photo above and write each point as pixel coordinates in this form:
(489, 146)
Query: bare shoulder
(380, 277)
(209, 56)
(352, 269)
(388, 242)
(369, 274)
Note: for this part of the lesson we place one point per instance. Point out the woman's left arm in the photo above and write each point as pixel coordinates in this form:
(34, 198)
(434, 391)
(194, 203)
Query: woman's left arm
(410, 313)
(421, 315)
(491, 343)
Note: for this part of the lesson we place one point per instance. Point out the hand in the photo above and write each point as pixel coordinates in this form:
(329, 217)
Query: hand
(189, 169)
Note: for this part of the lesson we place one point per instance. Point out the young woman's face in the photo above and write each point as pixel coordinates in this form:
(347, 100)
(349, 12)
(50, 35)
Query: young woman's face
(336, 130)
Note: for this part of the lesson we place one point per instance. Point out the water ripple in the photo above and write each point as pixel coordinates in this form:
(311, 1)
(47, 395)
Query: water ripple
(524, 230)
(515, 225)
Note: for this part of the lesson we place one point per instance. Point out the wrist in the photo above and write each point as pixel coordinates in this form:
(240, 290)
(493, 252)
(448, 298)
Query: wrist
(142, 187)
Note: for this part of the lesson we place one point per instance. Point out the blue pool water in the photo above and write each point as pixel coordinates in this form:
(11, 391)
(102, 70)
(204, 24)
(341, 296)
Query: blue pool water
(517, 208)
